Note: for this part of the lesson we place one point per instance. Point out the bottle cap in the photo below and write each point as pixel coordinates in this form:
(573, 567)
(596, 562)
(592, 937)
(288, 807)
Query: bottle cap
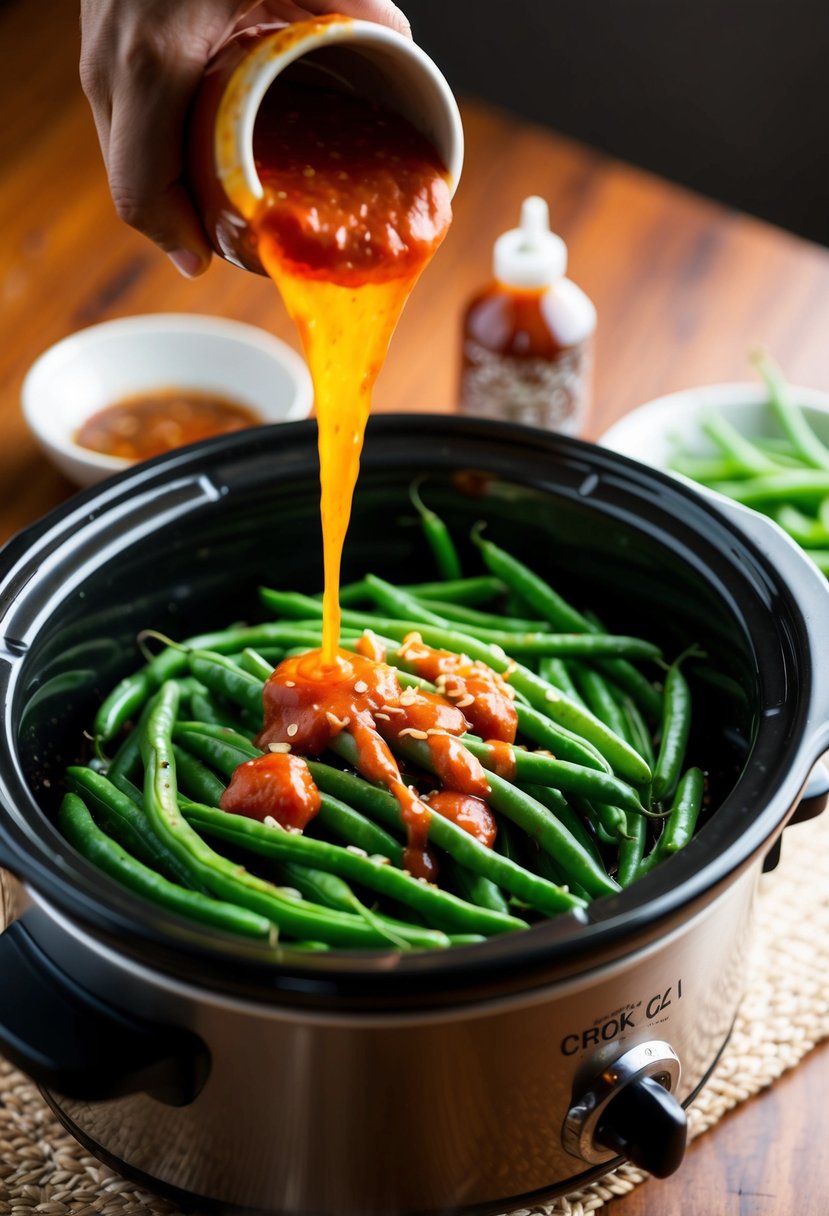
(532, 255)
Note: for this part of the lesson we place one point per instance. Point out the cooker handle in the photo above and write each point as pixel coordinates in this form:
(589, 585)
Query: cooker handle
(65, 1038)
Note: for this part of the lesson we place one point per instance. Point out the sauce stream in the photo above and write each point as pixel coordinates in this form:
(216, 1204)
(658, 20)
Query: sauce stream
(356, 203)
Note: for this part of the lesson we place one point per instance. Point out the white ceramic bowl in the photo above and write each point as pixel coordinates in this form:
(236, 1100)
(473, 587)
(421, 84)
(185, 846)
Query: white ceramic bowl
(654, 433)
(99, 366)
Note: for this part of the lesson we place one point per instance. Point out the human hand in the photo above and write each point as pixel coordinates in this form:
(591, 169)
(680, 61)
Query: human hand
(141, 62)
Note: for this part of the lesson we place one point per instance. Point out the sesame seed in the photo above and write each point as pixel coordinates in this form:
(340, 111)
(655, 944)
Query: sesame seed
(358, 852)
(383, 717)
(270, 822)
(468, 700)
(279, 748)
(337, 723)
(361, 686)
(292, 730)
(290, 683)
(380, 859)
(552, 695)
(412, 733)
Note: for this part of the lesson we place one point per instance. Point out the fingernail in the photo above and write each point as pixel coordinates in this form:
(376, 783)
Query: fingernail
(186, 262)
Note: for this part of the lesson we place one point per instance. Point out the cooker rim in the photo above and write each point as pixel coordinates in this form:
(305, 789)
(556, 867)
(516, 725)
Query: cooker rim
(160, 939)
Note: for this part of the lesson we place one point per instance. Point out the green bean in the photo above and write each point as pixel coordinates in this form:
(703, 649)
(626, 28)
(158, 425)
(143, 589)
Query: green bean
(404, 606)
(80, 830)
(556, 672)
(221, 675)
(438, 906)
(474, 888)
(680, 825)
(543, 896)
(631, 850)
(537, 768)
(127, 822)
(194, 779)
(529, 815)
(560, 807)
(477, 590)
(750, 460)
(207, 708)
(459, 614)
(564, 744)
(676, 728)
(598, 698)
(706, 469)
(807, 486)
(437, 536)
(127, 759)
(636, 730)
(560, 615)
(791, 419)
(809, 532)
(256, 664)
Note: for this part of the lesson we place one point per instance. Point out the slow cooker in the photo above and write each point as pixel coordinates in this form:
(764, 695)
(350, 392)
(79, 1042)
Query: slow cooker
(481, 1078)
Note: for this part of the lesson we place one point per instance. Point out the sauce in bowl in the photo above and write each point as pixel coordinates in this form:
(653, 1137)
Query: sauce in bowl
(149, 424)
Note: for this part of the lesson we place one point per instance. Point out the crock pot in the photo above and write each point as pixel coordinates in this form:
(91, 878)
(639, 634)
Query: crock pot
(370, 1084)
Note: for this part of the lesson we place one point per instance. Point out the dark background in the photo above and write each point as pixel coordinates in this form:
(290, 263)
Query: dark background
(729, 97)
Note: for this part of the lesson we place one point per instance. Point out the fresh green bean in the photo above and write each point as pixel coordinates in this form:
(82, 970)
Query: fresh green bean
(439, 906)
(680, 825)
(631, 850)
(556, 672)
(536, 768)
(80, 830)
(127, 823)
(437, 536)
(750, 460)
(480, 589)
(543, 896)
(676, 728)
(791, 419)
(530, 816)
(474, 888)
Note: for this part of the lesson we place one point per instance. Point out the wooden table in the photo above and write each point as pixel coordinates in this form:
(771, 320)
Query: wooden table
(684, 288)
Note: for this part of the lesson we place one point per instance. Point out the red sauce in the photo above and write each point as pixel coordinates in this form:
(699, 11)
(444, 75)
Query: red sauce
(149, 424)
(275, 785)
(356, 203)
(307, 704)
(503, 757)
(470, 813)
(354, 194)
(476, 689)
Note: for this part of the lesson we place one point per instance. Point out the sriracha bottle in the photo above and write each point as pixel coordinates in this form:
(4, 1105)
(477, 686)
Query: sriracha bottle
(527, 337)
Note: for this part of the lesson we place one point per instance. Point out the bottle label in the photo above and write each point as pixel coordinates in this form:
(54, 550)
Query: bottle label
(539, 392)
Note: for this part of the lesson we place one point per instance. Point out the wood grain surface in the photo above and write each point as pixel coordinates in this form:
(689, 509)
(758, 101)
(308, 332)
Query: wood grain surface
(683, 287)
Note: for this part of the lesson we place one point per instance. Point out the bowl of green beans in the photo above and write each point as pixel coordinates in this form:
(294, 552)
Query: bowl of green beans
(765, 445)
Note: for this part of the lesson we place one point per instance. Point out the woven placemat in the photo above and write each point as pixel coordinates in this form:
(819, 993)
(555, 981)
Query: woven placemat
(785, 1013)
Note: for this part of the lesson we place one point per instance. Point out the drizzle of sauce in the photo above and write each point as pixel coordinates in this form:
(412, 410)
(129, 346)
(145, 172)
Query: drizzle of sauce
(277, 786)
(356, 203)
(468, 812)
(148, 424)
(482, 694)
(307, 704)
